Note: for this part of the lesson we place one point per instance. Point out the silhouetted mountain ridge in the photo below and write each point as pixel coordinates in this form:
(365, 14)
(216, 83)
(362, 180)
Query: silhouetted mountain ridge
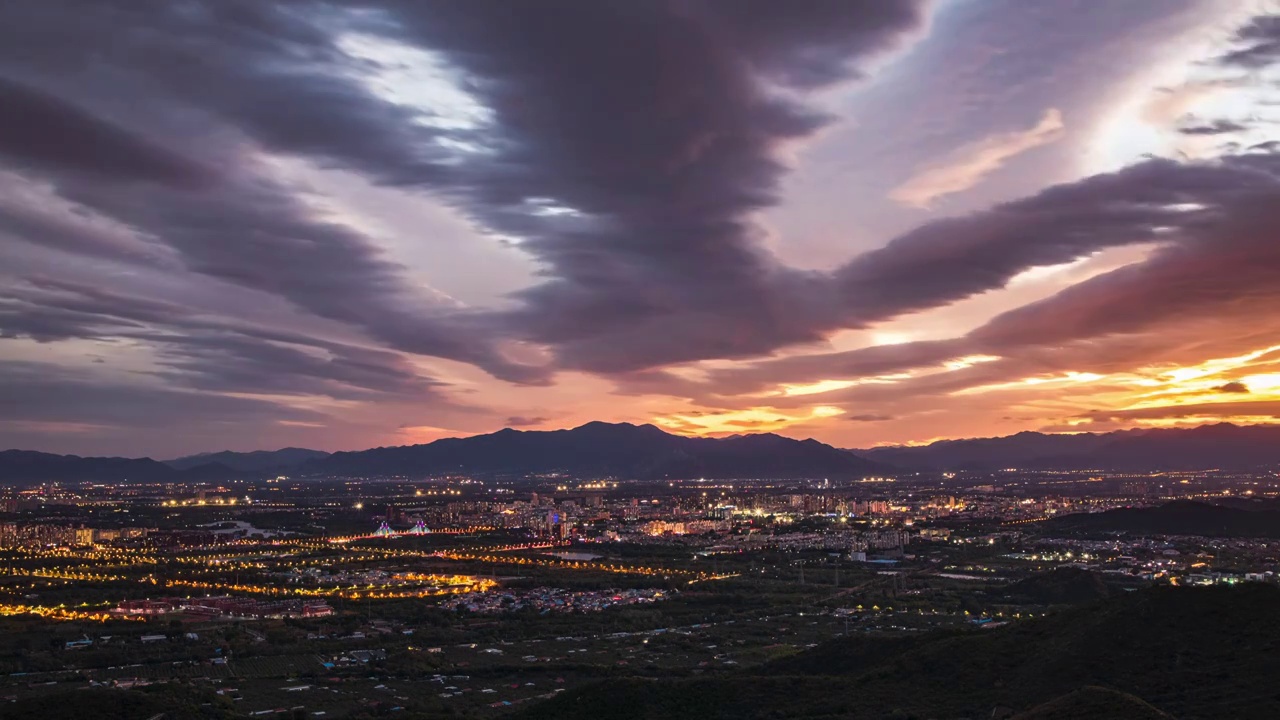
(282, 459)
(18, 466)
(624, 450)
(597, 449)
(1221, 445)
(600, 449)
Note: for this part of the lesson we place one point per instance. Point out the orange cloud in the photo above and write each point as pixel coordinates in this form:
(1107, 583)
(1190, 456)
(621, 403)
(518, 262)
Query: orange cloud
(756, 419)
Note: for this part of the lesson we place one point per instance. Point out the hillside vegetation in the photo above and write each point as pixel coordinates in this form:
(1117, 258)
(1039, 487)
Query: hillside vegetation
(1185, 652)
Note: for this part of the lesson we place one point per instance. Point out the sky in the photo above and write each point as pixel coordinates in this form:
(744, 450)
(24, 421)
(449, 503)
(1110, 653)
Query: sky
(249, 224)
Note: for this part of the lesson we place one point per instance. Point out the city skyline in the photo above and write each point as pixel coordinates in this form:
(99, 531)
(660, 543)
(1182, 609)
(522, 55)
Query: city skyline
(252, 226)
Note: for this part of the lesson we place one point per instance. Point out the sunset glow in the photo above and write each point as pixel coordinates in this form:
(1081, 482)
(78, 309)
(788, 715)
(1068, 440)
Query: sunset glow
(756, 419)
(862, 232)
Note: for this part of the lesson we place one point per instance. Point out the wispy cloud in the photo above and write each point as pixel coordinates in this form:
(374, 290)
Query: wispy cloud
(1169, 104)
(524, 421)
(971, 164)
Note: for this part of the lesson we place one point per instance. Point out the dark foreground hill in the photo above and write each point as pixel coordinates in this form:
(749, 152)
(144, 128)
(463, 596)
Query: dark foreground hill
(1201, 653)
(603, 449)
(167, 701)
(1210, 446)
(1094, 703)
(1060, 586)
(1181, 517)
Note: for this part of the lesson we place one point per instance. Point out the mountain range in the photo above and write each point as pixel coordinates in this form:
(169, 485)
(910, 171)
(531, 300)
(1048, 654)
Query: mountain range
(627, 451)
(27, 466)
(600, 449)
(283, 459)
(596, 449)
(1222, 445)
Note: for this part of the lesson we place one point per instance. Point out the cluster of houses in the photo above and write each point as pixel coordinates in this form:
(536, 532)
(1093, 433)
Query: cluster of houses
(552, 600)
(225, 606)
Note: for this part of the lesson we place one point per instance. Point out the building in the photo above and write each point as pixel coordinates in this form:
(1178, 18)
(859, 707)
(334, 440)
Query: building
(84, 536)
(316, 609)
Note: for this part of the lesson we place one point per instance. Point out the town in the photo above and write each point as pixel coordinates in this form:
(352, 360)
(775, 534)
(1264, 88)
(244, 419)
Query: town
(328, 594)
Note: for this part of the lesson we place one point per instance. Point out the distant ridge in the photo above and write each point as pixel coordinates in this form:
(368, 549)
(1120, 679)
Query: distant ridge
(596, 449)
(623, 450)
(1221, 445)
(600, 449)
(26, 466)
(283, 459)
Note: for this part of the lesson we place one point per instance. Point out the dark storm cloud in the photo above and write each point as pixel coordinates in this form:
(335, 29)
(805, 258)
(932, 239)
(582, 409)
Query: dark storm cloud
(1217, 127)
(205, 353)
(1232, 387)
(664, 266)
(657, 124)
(653, 122)
(1220, 259)
(270, 70)
(1258, 44)
(43, 130)
(1214, 223)
(235, 362)
(41, 393)
(955, 258)
(37, 313)
(626, 146)
(59, 310)
(77, 236)
(202, 74)
(1265, 409)
(649, 119)
(254, 234)
(666, 166)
